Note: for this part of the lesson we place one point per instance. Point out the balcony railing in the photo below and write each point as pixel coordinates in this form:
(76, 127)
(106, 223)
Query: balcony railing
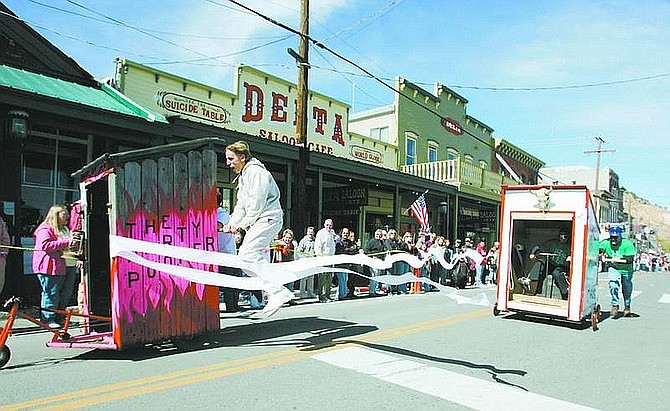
(459, 173)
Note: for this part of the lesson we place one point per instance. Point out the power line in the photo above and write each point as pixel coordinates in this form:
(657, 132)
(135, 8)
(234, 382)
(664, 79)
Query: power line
(321, 45)
(156, 60)
(366, 21)
(216, 3)
(347, 79)
(58, 33)
(282, 5)
(226, 55)
(574, 86)
(364, 70)
(363, 22)
(263, 16)
(317, 43)
(167, 33)
(140, 30)
(546, 88)
(358, 66)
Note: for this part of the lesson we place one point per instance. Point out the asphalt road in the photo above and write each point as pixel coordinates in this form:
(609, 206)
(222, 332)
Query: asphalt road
(387, 353)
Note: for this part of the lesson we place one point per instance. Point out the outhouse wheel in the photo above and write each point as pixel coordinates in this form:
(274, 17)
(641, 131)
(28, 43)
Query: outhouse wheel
(5, 354)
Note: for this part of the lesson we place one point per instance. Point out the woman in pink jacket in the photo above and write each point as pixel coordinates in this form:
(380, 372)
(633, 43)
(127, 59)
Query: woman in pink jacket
(52, 237)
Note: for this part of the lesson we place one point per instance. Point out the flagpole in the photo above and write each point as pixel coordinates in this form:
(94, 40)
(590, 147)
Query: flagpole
(424, 193)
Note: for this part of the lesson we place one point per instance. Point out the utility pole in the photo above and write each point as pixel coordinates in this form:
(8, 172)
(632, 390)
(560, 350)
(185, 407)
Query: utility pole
(299, 211)
(598, 151)
(303, 67)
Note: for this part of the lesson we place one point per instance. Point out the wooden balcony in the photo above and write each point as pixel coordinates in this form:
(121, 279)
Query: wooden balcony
(466, 177)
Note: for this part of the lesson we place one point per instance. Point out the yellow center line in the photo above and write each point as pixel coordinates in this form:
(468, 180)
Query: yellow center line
(153, 384)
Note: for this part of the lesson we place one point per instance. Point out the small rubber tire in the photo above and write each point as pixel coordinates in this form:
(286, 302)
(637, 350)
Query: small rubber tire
(5, 354)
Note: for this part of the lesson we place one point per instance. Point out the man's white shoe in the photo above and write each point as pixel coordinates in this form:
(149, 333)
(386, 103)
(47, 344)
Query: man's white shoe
(276, 299)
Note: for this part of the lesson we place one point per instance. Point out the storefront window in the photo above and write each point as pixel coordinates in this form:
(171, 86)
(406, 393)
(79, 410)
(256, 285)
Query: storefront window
(38, 167)
(477, 221)
(45, 177)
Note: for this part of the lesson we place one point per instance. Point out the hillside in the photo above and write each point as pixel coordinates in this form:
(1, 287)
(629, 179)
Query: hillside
(643, 212)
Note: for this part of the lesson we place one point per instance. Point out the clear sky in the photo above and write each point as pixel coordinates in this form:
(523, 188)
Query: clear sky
(548, 75)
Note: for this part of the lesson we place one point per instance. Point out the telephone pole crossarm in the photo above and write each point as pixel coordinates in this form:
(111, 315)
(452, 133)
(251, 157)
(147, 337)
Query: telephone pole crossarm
(596, 190)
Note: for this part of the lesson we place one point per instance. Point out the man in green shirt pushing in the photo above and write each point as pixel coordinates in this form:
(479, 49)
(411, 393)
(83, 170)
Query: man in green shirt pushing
(619, 253)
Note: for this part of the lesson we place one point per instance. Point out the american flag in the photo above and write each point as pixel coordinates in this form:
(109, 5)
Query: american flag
(420, 212)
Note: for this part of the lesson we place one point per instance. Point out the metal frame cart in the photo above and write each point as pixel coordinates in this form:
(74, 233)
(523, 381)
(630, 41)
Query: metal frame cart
(166, 195)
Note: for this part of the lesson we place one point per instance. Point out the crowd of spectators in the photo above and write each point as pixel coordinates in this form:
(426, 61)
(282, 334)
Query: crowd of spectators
(433, 249)
(651, 262)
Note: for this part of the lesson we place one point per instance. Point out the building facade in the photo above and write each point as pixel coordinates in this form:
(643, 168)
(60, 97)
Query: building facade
(349, 177)
(515, 163)
(438, 140)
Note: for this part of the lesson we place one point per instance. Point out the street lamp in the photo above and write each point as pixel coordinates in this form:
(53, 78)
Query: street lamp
(18, 125)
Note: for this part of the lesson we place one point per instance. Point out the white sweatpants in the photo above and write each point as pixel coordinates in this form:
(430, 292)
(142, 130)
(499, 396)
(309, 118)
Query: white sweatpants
(258, 238)
(253, 249)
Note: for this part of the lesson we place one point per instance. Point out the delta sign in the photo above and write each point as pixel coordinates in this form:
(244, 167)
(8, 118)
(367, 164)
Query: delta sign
(262, 105)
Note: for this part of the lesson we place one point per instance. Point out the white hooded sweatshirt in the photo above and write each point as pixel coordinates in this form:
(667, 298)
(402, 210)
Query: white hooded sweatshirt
(257, 196)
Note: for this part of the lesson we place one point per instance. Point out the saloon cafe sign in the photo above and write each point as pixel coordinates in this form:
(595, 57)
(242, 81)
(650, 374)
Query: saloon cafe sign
(263, 105)
(270, 112)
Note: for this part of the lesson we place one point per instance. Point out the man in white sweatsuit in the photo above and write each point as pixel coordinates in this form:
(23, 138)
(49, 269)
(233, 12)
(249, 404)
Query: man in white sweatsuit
(257, 211)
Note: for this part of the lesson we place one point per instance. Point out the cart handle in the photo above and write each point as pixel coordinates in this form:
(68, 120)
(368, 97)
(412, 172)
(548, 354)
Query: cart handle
(11, 300)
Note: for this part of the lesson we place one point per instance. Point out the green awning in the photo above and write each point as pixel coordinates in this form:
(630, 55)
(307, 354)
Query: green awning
(105, 97)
